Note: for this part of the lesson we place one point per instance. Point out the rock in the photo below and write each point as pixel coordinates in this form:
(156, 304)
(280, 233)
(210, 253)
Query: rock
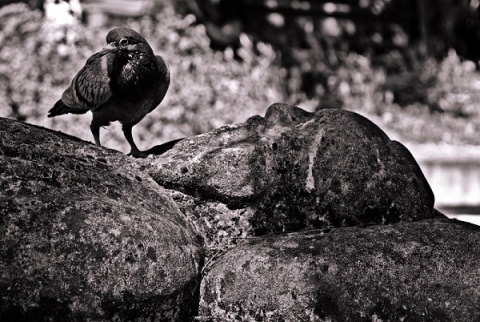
(90, 234)
(420, 271)
(86, 235)
(293, 170)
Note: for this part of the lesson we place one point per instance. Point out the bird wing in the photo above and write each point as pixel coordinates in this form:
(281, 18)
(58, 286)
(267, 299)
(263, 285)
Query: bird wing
(162, 67)
(90, 88)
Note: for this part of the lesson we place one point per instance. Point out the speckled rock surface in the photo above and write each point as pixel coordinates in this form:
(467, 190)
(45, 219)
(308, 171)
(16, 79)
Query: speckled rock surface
(421, 271)
(293, 170)
(86, 235)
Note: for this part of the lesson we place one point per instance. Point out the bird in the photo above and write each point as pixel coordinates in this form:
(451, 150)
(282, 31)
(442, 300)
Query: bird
(122, 82)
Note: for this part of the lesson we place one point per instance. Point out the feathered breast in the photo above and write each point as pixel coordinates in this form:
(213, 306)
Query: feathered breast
(137, 74)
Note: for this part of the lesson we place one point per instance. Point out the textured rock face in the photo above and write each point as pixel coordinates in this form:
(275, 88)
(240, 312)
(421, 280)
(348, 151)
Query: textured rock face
(293, 170)
(422, 271)
(85, 235)
(89, 234)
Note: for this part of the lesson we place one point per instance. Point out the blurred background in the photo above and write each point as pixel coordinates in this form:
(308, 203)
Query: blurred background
(411, 66)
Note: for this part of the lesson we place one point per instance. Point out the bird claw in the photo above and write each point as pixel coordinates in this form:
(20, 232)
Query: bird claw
(138, 154)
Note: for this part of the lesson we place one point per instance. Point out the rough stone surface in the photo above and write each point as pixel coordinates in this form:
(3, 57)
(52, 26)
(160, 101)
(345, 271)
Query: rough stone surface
(86, 235)
(420, 271)
(293, 170)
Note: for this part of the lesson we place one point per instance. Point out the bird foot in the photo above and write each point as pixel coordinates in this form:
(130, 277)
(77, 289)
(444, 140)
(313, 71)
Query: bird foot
(138, 154)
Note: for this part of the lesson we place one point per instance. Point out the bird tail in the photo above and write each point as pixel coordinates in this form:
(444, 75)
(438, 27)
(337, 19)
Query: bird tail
(60, 108)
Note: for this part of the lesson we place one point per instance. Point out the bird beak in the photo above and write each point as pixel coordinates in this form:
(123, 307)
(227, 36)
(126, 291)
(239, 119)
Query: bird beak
(110, 46)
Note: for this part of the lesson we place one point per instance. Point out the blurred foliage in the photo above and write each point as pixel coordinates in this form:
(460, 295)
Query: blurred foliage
(438, 102)
(208, 89)
(447, 108)
(35, 60)
(421, 98)
(362, 26)
(388, 59)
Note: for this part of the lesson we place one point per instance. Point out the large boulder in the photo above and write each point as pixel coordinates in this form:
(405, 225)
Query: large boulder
(86, 235)
(293, 170)
(421, 271)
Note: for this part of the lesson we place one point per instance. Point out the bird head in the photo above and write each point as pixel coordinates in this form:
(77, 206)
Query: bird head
(126, 39)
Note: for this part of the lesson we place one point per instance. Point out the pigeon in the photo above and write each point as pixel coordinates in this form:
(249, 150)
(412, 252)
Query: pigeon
(123, 82)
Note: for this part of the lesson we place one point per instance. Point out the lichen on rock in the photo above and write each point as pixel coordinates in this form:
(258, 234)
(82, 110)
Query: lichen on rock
(300, 171)
(85, 235)
(420, 271)
(90, 234)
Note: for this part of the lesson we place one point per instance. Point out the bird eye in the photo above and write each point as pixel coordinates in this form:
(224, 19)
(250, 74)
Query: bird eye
(123, 42)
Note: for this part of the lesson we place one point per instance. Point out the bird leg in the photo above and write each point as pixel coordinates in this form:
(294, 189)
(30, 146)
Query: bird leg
(95, 128)
(134, 152)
